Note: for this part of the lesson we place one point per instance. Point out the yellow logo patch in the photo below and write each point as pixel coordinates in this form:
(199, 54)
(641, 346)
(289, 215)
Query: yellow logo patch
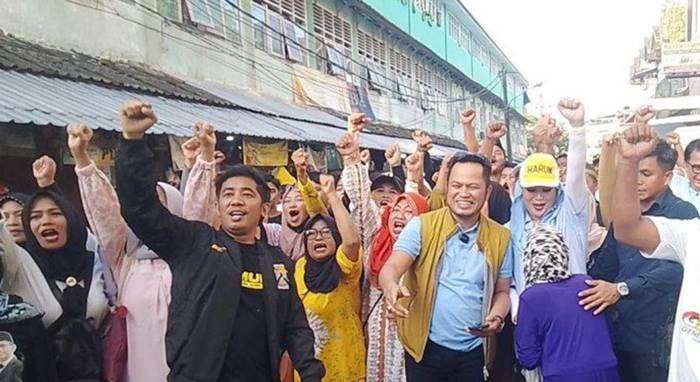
(252, 280)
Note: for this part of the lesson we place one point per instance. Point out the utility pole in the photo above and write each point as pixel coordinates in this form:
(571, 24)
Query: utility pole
(506, 114)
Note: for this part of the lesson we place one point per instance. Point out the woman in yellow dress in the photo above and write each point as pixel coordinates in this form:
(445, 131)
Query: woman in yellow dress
(328, 283)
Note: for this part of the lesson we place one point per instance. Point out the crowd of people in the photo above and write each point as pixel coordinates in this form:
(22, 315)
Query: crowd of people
(462, 268)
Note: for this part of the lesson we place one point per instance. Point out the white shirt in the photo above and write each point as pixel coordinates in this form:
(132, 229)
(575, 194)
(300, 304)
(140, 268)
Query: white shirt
(682, 188)
(680, 240)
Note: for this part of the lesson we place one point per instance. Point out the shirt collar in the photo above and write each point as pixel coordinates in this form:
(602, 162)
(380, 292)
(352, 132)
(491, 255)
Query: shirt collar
(662, 202)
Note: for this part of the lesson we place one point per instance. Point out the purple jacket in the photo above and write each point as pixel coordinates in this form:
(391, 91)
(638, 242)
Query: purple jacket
(556, 334)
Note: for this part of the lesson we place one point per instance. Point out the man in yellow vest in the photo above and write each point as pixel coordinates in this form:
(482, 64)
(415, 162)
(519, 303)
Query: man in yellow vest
(456, 273)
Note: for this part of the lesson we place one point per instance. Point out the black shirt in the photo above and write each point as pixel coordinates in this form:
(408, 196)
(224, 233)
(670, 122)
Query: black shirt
(248, 357)
(499, 204)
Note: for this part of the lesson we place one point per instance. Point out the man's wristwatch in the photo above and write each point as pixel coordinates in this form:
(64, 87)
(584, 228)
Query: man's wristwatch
(622, 289)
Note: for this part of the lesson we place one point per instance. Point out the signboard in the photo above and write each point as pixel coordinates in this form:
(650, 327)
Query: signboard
(681, 59)
(674, 23)
(264, 154)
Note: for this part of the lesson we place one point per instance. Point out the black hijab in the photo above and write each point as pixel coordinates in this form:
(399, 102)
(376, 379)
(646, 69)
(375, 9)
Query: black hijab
(16, 197)
(72, 260)
(322, 276)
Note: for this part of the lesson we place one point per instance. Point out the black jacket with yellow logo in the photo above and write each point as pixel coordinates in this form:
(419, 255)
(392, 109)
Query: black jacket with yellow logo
(206, 271)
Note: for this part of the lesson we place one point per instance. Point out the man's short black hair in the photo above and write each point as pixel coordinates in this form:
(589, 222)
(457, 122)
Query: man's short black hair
(562, 155)
(465, 157)
(665, 155)
(692, 147)
(510, 164)
(271, 179)
(245, 172)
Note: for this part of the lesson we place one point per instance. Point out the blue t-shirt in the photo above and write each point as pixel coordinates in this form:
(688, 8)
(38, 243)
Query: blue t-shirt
(460, 290)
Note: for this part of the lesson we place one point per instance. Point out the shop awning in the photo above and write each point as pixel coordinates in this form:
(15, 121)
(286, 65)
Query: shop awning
(41, 100)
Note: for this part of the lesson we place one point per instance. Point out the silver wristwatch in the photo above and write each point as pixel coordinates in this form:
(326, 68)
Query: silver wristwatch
(622, 289)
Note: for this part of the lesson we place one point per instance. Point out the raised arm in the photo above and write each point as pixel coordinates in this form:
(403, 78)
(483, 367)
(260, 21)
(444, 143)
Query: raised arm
(576, 189)
(423, 145)
(99, 198)
(606, 178)
(545, 134)
(348, 233)
(436, 200)
(393, 158)
(313, 203)
(630, 227)
(200, 193)
(414, 171)
(164, 233)
(357, 185)
(495, 131)
(471, 142)
(674, 140)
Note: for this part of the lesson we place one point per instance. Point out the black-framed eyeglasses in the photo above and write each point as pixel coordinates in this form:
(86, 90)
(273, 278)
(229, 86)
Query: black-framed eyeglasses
(325, 233)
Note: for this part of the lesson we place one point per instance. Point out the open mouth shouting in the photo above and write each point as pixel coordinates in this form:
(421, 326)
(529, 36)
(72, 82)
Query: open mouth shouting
(49, 235)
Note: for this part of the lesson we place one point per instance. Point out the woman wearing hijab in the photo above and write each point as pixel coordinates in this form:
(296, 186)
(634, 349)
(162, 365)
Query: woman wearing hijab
(328, 283)
(23, 338)
(56, 239)
(11, 208)
(378, 232)
(299, 202)
(554, 332)
(143, 280)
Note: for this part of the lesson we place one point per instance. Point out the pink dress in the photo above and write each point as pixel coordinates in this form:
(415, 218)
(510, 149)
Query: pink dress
(143, 281)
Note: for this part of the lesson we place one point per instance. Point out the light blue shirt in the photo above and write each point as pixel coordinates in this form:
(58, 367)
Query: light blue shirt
(681, 187)
(460, 290)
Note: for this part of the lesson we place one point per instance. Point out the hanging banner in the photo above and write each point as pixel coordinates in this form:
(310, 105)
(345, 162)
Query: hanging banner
(265, 154)
(321, 90)
(359, 101)
(333, 162)
(318, 158)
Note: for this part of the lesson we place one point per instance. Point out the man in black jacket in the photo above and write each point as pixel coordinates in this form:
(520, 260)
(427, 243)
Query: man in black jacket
(235, 306)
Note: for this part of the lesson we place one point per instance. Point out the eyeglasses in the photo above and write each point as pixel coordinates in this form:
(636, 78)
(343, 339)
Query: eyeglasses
(325, 233)
(695, 168)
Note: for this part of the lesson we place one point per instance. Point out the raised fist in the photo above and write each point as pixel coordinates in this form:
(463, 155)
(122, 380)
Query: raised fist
(44, 170)
(496, 130)
(644, 114)
(423, 140)
(300, 158)
(357, 122)
(205, 134)
(348, 145)
(637, 142)
(546, 130)
(573, 111)
(191, 148)
(327, 185)
(79, 135)
(393, 155)
(673, 139)
(219, 158)
(414, 166)
(468, 116)
(136, 118)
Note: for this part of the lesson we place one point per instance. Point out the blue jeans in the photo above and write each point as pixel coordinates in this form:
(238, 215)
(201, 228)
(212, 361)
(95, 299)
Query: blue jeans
(440, 364)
